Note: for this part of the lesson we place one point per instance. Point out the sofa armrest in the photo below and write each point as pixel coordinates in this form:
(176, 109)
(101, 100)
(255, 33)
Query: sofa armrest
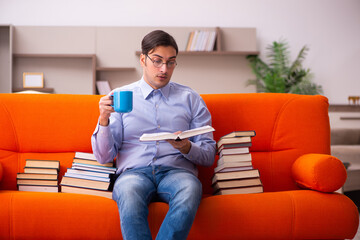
(320, 172)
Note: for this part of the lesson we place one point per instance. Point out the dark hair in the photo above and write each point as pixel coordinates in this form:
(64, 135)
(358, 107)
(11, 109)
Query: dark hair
(155, 39)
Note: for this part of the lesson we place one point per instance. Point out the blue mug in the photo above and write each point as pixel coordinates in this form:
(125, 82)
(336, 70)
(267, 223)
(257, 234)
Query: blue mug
(122, 101)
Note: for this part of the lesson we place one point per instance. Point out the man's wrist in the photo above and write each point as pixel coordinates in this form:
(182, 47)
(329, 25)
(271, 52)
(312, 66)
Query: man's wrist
(104, 121)
(186, 148)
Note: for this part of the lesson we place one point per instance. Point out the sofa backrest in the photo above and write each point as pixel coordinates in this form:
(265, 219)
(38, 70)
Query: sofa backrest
(56, 126)
(41, 126)
(47, 123)
(287, 126)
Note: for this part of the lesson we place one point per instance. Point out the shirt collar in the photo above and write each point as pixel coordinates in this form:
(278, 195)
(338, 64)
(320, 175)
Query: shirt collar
(146, 89)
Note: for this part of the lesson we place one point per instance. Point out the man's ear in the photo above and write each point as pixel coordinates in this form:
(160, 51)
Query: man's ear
(142, 60)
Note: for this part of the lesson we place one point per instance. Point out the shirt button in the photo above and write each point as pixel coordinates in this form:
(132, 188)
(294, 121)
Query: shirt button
(154, 158)
(158, 126)
(157, 143)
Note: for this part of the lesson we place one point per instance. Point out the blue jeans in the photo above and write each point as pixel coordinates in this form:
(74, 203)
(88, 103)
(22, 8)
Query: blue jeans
(134, 189)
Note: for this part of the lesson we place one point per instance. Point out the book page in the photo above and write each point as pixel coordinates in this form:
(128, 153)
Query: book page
(196, 131)
(157, 136)
(183, 135)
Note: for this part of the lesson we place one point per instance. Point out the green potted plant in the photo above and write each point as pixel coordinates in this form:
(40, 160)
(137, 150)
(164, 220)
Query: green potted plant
(278, 75)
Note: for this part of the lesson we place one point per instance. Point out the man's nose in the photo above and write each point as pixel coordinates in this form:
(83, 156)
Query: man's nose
(163, 67)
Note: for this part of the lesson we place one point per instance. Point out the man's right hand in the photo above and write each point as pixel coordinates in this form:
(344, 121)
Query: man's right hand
(105, 110)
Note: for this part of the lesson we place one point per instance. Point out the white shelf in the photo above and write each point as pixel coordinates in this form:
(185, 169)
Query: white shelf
(72, 65)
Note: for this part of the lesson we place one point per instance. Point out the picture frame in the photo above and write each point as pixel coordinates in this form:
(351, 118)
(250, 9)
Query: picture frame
(103, 87)
(33, 80)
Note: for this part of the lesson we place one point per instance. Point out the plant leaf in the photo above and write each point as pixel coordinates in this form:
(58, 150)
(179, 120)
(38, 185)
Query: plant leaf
(279, 57)
(259, 68)
(299, 59)
(278, 76)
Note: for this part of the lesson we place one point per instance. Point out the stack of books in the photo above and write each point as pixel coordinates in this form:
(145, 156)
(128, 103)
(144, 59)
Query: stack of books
(234, 173)
(87, 176)
(201, 41)
(39, 176)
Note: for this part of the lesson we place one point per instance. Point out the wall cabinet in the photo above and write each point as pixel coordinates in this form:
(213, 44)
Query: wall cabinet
(344, 116)
(73, 58)
(5, 58)
(65, 73)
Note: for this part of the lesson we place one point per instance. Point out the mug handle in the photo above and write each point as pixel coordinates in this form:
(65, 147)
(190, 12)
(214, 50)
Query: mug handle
(112, 99)
(111, 95)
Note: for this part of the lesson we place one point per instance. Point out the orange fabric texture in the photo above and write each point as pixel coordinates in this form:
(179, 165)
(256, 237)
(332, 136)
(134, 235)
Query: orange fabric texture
(276, 215)
(1, 172)
(320, 172)
(288, 126)
(58, 216)
(280, 215)
(41, 124)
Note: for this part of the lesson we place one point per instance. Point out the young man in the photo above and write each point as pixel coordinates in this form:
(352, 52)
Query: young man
(160, 170)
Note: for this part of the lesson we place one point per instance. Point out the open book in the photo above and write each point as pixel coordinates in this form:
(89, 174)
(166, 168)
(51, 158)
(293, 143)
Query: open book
(182, 135)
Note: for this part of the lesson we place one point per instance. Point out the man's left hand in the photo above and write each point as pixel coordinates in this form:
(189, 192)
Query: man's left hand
(183, 145)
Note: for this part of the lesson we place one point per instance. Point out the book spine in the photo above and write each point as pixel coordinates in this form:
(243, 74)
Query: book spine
(188, 45)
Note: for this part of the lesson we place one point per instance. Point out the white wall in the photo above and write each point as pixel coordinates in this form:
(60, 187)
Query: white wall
(331, 28)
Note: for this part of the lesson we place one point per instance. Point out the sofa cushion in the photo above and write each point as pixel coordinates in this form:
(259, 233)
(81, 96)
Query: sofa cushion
(35, 215)
(320, 172)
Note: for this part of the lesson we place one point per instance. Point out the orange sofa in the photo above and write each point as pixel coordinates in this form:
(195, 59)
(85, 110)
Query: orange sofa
(290, 149)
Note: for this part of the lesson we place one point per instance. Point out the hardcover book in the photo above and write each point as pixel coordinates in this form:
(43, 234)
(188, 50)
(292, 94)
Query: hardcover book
(250, 133)
(231, 151)
(241, 190)
(88, 173)
(92, 162)
(40, 170)
(102, 193)
(84, 155)
(77, 182)
(34, 163)
(37, 182)
(37, 176)
(235, 145)
(234, 166)
(182, 135)
(31, 188)
(235, 175)
(237, 183)
(74, 175)
(95, 168)
(234, 158)
(233, 141)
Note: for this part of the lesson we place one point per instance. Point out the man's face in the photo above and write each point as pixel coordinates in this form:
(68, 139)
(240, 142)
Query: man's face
(158, 77)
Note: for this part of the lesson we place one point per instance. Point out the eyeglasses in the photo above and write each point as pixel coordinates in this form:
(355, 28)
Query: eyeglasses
(158, 62)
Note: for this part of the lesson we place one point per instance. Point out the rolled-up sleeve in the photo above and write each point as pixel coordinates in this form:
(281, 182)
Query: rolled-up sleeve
(105, 146)
(203, 147)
